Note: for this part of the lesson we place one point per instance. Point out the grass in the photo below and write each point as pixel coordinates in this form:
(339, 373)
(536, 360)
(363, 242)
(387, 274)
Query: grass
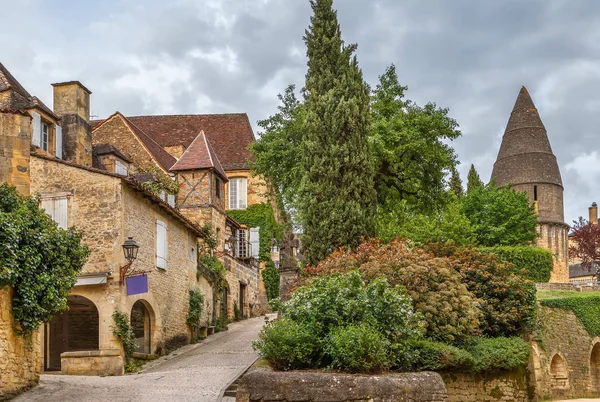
(561, 294)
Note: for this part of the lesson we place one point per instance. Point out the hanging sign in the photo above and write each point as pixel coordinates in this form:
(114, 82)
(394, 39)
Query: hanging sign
(136, 284)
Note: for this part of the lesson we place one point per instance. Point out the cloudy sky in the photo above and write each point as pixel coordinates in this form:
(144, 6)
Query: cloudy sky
(220, 56)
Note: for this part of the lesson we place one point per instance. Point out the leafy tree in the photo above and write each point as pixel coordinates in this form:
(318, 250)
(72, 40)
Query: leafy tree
(38, 260)
(410, 145)
(456, 183)
(278, 152)
(338, 199)
(473, 180)
(585, 244)
(501, 216)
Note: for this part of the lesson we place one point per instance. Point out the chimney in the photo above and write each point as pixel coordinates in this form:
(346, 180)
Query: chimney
(594, 213)
(72, 105)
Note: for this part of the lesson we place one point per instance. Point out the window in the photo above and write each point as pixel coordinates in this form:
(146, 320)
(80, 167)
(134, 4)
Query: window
(238, 193)
(44, 144)
(193, 254)
(120, 168)
(57, 208)
(218, 186)
(535, 193)
(161, 245)
(242, 244)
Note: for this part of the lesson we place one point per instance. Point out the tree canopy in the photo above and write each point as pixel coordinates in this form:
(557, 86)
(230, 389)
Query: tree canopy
(585, 244)
(473, 180)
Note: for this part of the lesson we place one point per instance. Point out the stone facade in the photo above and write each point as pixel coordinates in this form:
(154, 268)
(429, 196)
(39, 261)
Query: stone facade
(15, 140)
(492, 387)
(257, 190)
(20, 358)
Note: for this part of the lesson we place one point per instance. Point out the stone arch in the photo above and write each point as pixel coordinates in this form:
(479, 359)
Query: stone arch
(595, 367)
(559, 372)
(141, 322)
(225, 300)
(152, 318)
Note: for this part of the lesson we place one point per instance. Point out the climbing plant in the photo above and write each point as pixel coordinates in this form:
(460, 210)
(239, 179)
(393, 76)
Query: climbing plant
(208, 262)
(271, 279)
(124, 332)
(195, 309)
(38, 260)
(163, 182)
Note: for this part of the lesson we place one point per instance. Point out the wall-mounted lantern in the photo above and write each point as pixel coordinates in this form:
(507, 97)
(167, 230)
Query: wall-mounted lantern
(130, 251)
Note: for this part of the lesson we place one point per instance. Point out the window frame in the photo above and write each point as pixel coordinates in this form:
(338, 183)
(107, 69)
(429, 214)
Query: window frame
(234, 183)
(123, 166)
(45, 136)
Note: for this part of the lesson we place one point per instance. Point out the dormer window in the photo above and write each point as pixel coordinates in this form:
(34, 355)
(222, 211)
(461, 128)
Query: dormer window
(121, 168)
(238, 193)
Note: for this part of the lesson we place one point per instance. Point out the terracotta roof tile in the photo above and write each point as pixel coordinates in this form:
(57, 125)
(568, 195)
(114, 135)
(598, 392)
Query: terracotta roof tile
(199, 155)
(229, 134)
(103, 149)
(7, 81)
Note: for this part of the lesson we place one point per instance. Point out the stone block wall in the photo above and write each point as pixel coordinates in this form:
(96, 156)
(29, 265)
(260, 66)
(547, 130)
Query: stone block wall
(20, 358)
(239, 272)
(554, 237)
(94, 362)
(15, 140)
(493, 387)
(256, 187)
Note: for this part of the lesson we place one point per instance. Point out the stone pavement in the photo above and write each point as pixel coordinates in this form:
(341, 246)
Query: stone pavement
(199, 373)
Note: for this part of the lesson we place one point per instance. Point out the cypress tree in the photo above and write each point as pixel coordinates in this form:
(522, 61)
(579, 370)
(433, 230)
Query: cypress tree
(456, 183)
(338, 200)
(473, 180)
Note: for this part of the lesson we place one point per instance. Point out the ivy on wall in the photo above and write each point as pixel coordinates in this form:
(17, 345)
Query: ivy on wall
(533, 263)
(195, 309)
(271, 279)
(38, 260)
(163, 182)
(123, 331)
(586, 309)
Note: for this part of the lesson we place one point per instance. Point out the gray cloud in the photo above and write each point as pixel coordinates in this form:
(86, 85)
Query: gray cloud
(210, 56)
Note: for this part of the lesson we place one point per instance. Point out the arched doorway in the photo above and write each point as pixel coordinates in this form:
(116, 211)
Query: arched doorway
(595, 367)
(72, 330)
(559, 372)
(141, 322)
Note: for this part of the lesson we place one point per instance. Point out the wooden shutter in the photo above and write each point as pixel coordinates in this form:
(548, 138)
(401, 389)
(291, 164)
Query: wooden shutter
(48, 207)
(233, 193)
(59, 149)
(254, 242)
(36, 123)
(242, 193)
(161, 245)
(61, 212)
(171, 200)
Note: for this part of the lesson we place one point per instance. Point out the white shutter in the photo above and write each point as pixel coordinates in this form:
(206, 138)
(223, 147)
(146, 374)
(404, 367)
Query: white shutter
(48, 206)
(171, 200)
(254, 242)
(61, 213)
(242, 193)
(233, 194)
(36, 122)
(161, 245)
(59, 150)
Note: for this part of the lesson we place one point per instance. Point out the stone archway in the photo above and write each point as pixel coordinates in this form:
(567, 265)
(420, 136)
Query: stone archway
(559, 372)
(595, 367)
(73, 330)
(142, 322)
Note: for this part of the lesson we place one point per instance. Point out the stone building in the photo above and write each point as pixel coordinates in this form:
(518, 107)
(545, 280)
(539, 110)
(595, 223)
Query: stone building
(526, 161)
(98, 185)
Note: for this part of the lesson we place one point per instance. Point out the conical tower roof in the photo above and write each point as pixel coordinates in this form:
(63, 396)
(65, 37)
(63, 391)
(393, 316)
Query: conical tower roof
(525, 156)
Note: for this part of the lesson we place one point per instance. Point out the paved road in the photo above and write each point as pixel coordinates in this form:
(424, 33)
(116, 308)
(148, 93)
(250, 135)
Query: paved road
(199, 374)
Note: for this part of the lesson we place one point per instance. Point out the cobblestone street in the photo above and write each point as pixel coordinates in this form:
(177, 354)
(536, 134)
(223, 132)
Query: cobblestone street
(196, 373)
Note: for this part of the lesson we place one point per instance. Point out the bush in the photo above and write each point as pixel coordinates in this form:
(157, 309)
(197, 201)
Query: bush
(288, 345)
(358, 348)
(418, 355)
(449, 310)
(507, 301)
(533, 263)
(498, 354)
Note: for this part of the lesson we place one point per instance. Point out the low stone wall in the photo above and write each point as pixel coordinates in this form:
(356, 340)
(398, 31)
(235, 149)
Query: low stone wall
(92, 362)
(20, 358)
(512, 386)
(555, 286)
(262, 384)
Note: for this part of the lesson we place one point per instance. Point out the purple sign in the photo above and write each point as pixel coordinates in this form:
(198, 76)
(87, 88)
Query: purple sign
(136, 284)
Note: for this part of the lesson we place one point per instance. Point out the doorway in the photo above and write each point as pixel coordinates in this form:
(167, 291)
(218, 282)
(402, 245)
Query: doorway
(141, 324)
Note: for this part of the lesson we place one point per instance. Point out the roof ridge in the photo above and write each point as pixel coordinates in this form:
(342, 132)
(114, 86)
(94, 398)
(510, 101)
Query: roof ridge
(207, 148)
(190, 114)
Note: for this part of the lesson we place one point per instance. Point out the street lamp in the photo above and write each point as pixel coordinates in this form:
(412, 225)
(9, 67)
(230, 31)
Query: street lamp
(130, 251)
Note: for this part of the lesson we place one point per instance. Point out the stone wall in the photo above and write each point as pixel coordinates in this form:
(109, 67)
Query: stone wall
(20, 359)
(554, 237)
(491, 387)
(93, 362)
(256, 187)
(15, 140)
(241, 273)
(264, 385)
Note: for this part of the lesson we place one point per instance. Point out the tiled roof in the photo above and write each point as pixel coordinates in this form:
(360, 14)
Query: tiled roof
(7, 81)
(229, 134)
(577, 271)
(36, 102)
(103, 149)
(199, 155)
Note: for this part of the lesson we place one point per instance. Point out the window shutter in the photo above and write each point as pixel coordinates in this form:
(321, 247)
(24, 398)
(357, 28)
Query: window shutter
(161, 245)
(36, 121)
(243, 194)
(254, 242)
(233, 193)
(48, 207)
(61, 213)
(171, 200)
(59, 150)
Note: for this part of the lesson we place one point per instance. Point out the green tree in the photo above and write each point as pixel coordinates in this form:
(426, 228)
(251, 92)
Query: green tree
(456, 183)
(410, 145)
(473, 180)
(501, 216)
(38, 260)
(338, 199)
(278, 151)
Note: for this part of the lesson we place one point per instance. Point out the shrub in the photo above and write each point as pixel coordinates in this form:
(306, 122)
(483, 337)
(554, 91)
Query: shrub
(448, 308)
(422, 354)
(339, 300)
(288, 345)
(195, 309)
(533, 263)
(123, 331)
(358, 348)
(507, 301)
(498, 354)
(271, 279)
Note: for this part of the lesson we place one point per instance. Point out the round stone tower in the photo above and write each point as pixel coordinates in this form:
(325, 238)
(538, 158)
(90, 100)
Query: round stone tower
(526, 161)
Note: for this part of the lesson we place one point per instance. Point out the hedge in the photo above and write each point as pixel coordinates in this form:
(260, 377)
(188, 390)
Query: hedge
(533, 263)
(587, 309)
